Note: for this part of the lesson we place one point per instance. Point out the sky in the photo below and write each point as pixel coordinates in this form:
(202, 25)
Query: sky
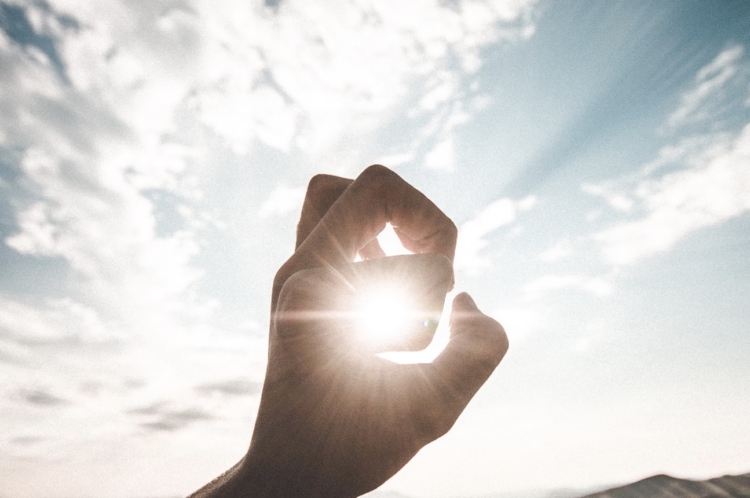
(153, 160)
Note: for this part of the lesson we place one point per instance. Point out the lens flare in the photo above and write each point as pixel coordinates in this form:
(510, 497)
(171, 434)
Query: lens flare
(383, 314)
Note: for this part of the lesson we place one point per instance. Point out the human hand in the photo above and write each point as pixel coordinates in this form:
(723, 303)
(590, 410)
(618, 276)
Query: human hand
(336, 421)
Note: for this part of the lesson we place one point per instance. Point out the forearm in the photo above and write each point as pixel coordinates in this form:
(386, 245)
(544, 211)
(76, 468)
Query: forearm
(231, 484)
(246, 480)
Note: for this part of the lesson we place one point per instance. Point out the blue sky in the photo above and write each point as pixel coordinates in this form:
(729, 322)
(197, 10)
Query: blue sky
(153, 159)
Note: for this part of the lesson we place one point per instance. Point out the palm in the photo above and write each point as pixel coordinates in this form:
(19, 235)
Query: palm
(355, 414)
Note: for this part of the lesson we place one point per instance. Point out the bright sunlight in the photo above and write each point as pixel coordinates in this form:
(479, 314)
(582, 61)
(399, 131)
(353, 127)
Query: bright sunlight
(383, 314)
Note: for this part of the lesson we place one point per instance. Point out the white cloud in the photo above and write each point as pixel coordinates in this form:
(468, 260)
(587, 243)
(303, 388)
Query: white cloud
(699, 180)
(56, 321)
(695, 104)
(442, 157)
(539, 287)
(520, 323)
(592, 335)
(560, 250)
(714, 188)
(440, 128)
(339, 71)
(343, 69)
(283, 200)
(395, 160)
(104, 228)
(616, 200)
(471, 234)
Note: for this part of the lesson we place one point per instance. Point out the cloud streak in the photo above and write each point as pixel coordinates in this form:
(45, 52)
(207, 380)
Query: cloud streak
(696, 103)
(161, 418)
(472, 234)
(713, 190)
(700, 181)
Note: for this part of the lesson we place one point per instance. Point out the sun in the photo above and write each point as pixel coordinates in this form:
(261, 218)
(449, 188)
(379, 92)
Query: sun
(394, 303)
(383, 314)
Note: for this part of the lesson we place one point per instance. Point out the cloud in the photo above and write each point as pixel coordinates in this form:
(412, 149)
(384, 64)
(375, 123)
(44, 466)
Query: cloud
(52, 322)
(442, 157)
(560, 250)
(26, 440)
(343, 66)
(617, 200)
(714, 188)
(699, 180)
(230, 387)
(695, 103)
(282, 200)
(161, 418)
(394, 160)
(472, 234)
(40, 397)
(521, 322)
(105, 229)
(539, 287)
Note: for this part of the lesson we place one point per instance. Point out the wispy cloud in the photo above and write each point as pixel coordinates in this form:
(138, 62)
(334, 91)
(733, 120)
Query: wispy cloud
(617, 200)
(282, 200)
(40, 397)
(230, 387)
(558, 251)
(700, 180)
(539, 287)
(159, 417)
(696, 103)
(711, 190)
(472, 234)
(521, 322)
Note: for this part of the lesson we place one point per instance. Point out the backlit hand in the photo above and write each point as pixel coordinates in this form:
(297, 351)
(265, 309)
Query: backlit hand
(335, 421)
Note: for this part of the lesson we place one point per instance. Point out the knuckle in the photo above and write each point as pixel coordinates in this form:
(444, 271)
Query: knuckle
(451, 230)
(293, 290)
(282, 275)
(319, 184)
(378, 174)
(288, 282)
(377, 169)
(433, 424)
(495, 340)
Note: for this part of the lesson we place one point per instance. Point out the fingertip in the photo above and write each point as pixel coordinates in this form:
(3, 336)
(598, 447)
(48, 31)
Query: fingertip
(476, 347)
(464, 302)
(467, 319)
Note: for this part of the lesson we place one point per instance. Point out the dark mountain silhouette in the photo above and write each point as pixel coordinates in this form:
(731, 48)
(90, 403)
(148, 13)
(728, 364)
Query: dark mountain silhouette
(664, 486)
(658, 486)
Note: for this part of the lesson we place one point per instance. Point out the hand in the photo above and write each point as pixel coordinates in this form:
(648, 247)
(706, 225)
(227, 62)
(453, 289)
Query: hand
(332, 422)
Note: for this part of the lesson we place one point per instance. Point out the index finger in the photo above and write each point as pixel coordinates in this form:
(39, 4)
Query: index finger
(377, 196)
(322, 192)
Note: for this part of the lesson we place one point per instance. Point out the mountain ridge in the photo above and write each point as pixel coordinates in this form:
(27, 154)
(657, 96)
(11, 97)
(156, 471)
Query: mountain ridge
(656, 486)
(666, 486)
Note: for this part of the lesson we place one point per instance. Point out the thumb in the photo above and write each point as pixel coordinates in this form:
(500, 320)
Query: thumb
(476, 346)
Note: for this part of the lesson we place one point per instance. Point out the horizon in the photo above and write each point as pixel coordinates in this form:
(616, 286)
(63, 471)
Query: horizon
(153, 160)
